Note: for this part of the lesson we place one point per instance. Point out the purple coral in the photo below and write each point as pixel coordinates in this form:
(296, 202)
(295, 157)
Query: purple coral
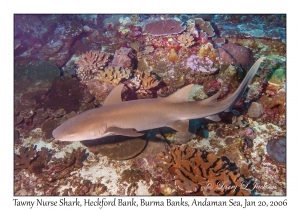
(164, 27)
(198, 64)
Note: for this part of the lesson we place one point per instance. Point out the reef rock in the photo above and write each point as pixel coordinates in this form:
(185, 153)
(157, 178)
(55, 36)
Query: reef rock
(237, 55)
(276, 149)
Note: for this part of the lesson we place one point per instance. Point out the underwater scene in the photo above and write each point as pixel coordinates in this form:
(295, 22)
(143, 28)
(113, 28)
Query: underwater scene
(149, 104)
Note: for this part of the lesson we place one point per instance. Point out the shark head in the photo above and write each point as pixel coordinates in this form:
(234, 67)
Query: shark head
(75, 129)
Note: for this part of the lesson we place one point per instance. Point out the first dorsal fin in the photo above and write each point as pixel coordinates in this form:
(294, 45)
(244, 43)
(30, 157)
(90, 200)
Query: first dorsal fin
(115, 96)
(181, 95)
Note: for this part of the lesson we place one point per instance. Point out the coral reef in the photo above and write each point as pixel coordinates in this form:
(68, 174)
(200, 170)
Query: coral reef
(67, 64)
(164, 27)
(196, 170)
(90, 63)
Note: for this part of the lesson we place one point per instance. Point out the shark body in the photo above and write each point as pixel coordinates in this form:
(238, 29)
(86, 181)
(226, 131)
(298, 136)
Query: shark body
(129, 117)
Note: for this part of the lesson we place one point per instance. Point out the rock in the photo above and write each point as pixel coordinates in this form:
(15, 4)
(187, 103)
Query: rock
(116, 147)
(276, 149)
(237, 55)
(255, 110)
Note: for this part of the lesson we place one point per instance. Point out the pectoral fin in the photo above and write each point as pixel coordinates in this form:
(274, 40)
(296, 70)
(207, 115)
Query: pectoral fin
(213, 117)
(181, 126)
(123, 132)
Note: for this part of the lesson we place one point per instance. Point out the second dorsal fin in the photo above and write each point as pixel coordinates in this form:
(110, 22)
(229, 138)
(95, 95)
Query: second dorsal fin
(115, 96)
(212, 99)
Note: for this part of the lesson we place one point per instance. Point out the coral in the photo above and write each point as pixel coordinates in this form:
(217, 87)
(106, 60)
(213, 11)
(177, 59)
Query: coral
(278, 77)
(173, 57)
(65, 93)
(32, 160)
(90, 63)
(276, 149)
(113, 74)
(121, 58)
(196, 170)
(146, 83)
(62, 167)
(204, 26)
(35, 76)
(200, 64)
(27, 155)
(164, 27)
(255, 110)
(209, 51)
(193, 25)
(274, 107)
(186, 40)
(99, 89)
(48, 127)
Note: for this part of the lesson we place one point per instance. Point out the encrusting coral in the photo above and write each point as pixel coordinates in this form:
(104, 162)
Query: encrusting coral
(209, 51)
(205, 26)
(164, 27)
(90, 63)
(196, 170)
(173, 57)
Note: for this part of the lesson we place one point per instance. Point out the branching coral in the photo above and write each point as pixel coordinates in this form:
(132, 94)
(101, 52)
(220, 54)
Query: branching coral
(195, 170)
(186, 40)
(61, 168)
(90, 63)
(114, 74)
(31, 159)
(164, 27)
(144, 81)
(26, 156)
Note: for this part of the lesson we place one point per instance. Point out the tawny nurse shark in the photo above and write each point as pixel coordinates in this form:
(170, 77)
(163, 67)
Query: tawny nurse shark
(128, 118)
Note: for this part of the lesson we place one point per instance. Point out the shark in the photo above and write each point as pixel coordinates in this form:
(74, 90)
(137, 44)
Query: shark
(129, 118)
